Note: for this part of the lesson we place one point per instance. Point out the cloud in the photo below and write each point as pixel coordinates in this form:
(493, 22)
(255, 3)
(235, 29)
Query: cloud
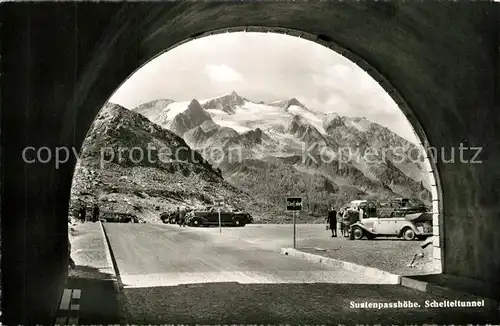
(264, 67)
(223, 73)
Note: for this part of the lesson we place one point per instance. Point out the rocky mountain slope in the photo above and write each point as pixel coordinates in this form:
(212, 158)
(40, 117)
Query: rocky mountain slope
(284, 148)
(155, 171)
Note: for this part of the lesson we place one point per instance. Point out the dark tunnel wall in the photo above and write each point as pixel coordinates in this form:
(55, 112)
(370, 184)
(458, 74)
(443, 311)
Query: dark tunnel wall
(61, 62)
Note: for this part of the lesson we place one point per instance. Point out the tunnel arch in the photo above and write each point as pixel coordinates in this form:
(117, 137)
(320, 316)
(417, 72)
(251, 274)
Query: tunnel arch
(435, 54)
(387, 86)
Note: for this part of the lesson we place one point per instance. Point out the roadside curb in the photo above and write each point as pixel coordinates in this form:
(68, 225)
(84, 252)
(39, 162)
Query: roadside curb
(115, 275)
(404, 281)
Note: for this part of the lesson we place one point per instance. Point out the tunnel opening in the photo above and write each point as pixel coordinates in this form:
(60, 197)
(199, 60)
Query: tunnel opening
(431, 62)
(115, 172)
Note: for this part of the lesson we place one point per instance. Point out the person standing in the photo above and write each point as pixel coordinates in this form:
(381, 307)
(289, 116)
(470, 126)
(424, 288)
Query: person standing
(95, 213)
(340, 226)
(82, 213)
(177, 216)
(182, 217)
(332, 221)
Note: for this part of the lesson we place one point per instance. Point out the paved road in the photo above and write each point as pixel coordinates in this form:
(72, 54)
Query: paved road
(196, 276)
(166, 255)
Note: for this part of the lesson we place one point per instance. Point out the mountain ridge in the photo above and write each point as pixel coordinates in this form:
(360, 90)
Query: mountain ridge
(289, 125)
(160, 179)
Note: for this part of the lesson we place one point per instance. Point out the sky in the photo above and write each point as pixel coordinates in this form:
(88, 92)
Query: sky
(264, 67)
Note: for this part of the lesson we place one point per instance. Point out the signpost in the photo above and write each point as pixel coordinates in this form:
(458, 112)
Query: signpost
(218, 203)
(294, 204)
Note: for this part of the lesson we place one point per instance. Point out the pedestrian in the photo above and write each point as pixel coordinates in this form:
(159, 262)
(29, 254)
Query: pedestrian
(361, 213)
(332, 221)
(340, 224)
(82, 213)
(182, 217)
(95, 213)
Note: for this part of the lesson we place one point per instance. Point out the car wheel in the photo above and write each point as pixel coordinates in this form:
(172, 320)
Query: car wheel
(238, 222)
(409, 234)
(357, 233)
(196, 222)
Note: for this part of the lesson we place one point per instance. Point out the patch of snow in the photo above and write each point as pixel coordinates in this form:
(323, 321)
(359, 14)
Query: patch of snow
(249, 116)
(280, 102)
(230, 124)
(310, 117)
(359, 123)
(174, 109)
(214, 98)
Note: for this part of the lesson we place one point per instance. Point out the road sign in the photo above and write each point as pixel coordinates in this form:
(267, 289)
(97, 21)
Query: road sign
(293, 203)
(218, 203)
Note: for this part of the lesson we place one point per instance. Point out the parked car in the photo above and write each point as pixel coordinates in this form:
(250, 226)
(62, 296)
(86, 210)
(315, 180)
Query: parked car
(210, 216)
(244, 216)
(113, 217)
(167, 217)
(399, 207)
(407, 222)
(174, 218)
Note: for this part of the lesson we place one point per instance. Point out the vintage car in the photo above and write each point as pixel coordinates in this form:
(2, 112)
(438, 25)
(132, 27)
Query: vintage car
(399, 207)
(166, 216)
(408, 222)
(210, 216)
(114, 217)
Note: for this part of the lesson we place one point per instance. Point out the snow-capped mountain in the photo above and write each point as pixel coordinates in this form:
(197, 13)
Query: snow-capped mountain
(152, 109)
(180, 120)
(229, 110)
(332, 120)
(302, 129)
(278, 135)
(292, 103)
(225, 103)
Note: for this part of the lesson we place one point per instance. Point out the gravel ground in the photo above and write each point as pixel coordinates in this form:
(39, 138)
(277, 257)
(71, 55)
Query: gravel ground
(386, 254)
